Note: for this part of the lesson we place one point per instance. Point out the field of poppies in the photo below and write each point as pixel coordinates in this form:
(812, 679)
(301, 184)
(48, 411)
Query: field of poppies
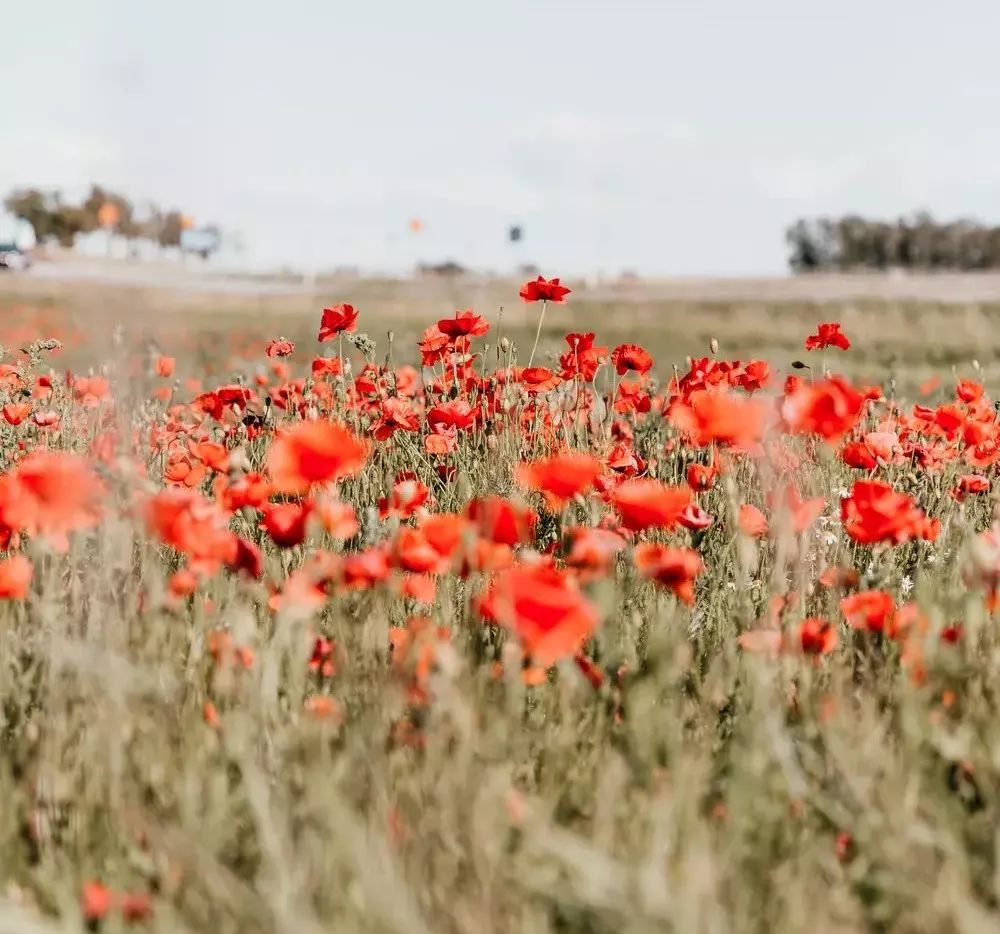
(480, 626)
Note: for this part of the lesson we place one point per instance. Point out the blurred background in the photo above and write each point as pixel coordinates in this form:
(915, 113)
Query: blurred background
(656, 138)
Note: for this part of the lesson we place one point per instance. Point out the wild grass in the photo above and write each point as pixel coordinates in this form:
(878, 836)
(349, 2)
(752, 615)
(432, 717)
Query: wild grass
(173, 746)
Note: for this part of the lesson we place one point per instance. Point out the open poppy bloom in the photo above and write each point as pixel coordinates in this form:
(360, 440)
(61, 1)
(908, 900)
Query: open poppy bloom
(829, 408)
(673, 568)
(720, 417)
(868, 609)
(338, 319)
(280, 347)
(752, 522)
(501, 521)
(631, 357)
(544, 290)
(50, 494)
(874, 513)
(464, 324)
(560, 477)
(817, 636)
(313, 453)
(286, 522)
(15, 577)
(645, 503)
(828, 335)
(544, 608)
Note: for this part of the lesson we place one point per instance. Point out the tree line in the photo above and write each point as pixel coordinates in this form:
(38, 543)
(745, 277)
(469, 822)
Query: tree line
(56, 219)
(919, 242)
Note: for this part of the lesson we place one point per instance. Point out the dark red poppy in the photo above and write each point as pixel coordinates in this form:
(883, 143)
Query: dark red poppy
(338, 319)
(464, 324)
(631, 358)
(544, 290)
(828, 335)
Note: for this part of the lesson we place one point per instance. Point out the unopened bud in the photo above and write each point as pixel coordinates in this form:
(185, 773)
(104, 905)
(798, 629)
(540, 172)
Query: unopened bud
(505, 344)
(713, 345)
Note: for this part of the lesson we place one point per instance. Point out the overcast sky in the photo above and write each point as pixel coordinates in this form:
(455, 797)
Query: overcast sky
(661, 136)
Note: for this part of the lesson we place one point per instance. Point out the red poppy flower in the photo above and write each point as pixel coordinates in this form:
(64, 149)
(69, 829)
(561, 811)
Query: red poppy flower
(407, 497)
(701, 477)
(248, 560)
(539, 379)
(560, 477)
(95, 901)
(212, 454)
(397, 414)
(280, 347)
(51, 493)
(752, 522)
(857, 454)
(135, 906)
(286, 522)
(817, 637)
(868, 609)
(456, 413)
(544, 608)
(366, 568)
(464, 324)
(828, 335)
(15, 577)
(593, 549)
(829, 408)
(673, 568)
(971, 483)
(165, 366)
(968, 390)
(874, 512)
(433, 345)
(414, 552)
(645, 503)
(326, 366)
(695, 518)
(712, 416)
(501, 521)
(754, 376)
(16, 412)
(582, 359)
(312, 453)
(631, 357)
(542, 290)
(337, 320)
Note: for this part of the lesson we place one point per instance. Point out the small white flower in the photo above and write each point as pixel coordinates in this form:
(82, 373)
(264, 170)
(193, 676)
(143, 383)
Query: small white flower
(830, 538)
(905, 586)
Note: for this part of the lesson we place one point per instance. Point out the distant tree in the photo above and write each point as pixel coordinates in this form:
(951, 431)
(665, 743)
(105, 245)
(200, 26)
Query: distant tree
(171, 226)
(99, 196)
(853, 242)
(50, 216)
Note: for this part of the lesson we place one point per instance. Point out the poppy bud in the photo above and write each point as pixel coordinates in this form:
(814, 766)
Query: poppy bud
(713, 345)
(505, 345)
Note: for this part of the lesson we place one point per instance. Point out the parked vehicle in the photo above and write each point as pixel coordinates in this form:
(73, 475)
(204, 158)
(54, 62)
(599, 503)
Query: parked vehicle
(13, 257)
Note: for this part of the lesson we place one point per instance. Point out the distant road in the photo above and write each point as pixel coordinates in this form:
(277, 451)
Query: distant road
(174, 276)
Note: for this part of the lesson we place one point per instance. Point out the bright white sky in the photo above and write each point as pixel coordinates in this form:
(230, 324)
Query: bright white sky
(666, 136)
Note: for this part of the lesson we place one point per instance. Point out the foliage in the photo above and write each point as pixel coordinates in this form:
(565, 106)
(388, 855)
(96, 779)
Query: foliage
(55, 219)
(920, 242)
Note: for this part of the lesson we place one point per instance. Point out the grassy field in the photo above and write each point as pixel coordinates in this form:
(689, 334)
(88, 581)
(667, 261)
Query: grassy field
(468, 647)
